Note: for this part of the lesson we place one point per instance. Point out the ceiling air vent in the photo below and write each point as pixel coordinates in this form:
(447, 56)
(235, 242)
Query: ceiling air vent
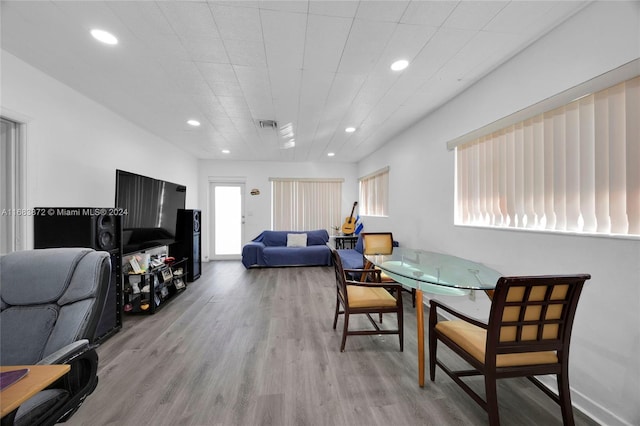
(268, 124)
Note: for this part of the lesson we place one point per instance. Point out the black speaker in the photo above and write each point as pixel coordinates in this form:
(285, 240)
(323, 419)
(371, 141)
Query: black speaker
(188, 243)
(96, 228)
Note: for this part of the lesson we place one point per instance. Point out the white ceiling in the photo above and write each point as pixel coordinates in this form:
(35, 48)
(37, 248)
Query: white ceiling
(320, 65)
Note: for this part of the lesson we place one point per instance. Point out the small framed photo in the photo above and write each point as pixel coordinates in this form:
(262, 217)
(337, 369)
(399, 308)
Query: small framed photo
(178, 283)
(166, 274)
(164, 292)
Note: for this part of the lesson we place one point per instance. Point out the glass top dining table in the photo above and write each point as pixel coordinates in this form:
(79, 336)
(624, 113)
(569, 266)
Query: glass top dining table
(435, 273)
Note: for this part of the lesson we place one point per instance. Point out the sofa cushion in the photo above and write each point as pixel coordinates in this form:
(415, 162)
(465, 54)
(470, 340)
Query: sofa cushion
(319, 237)
(296, 240)
(274, 238)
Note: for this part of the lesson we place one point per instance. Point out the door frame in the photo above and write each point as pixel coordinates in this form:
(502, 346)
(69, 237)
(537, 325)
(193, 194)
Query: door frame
(19, 187)
(210, 216)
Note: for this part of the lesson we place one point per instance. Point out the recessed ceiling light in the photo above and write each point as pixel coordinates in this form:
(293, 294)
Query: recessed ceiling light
(104, 37)
(350, 129)
(225, 151)
(399, 65)
(331, 154)
(194, 123)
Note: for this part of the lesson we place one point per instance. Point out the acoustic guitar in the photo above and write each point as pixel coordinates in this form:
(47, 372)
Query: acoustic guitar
(349, 225)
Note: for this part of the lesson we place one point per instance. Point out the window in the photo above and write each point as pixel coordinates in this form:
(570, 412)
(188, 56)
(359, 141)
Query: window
(573, 168)
(305, 204)
(374, 193)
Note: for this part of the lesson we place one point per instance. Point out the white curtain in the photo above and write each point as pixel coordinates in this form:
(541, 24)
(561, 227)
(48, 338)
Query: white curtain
(575, 168)
(374, 194)
(305, 204)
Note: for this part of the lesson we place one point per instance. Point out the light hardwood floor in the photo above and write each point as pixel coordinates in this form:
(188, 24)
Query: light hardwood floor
(257, 347)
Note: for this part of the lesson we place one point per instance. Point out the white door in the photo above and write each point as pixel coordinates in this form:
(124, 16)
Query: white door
(227, 217)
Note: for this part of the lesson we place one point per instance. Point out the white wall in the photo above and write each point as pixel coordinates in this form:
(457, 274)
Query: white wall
(256, 174)
(604, 362)
(75, 145)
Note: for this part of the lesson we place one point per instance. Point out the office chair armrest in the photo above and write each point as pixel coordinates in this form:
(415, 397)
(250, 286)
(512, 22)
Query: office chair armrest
(67, 353)
(434, 304)
(81, 380)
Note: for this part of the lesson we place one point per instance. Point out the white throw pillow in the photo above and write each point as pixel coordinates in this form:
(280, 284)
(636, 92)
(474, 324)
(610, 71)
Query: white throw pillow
(296, 240)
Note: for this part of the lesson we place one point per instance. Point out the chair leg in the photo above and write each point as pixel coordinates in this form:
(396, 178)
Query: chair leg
(564, 397)
(344, 331)
(433, 344)
(335, 318)
(401, 330)
(413, 297)
(380, 316)
(490, 387)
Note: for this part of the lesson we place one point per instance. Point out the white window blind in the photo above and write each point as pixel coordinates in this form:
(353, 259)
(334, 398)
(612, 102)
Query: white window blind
(305, 204)
(575, 168)
(374, 193)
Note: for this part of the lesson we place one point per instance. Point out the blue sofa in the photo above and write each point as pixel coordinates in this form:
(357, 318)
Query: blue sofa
(352, 258)
(270, 249)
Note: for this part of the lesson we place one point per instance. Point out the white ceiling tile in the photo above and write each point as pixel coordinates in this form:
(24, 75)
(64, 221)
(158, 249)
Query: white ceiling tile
(366, 42)
(244, 52)
(388, 11)
(284, 35)
(473, 15)
(284, 81)
(164, 47)
(406, 42)
(237, 22)
(429, 13)
(205, 49)
(226, 88)
(344, 89)
(375, 88)
(295, 6)
(190, 18)
(253, 80)
(326, 38)
(235, 106)
(444, 44)
(518, 16)
(344, 8)
(216, 72)
(144, 19)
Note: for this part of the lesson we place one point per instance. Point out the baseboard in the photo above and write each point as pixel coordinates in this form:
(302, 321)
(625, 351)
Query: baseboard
(595, 411)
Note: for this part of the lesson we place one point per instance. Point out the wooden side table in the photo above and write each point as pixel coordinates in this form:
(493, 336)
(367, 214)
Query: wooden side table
(346, 241)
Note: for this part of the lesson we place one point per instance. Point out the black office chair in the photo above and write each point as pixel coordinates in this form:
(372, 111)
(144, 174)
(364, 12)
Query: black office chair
(51, 302)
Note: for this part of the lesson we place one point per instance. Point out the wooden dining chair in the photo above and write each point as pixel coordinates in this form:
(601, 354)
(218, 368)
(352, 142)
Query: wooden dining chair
(381, 243)
(370, 297)
(527, 334)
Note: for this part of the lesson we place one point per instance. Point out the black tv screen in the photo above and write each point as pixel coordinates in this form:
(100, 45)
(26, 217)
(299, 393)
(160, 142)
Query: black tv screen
(150, 208)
